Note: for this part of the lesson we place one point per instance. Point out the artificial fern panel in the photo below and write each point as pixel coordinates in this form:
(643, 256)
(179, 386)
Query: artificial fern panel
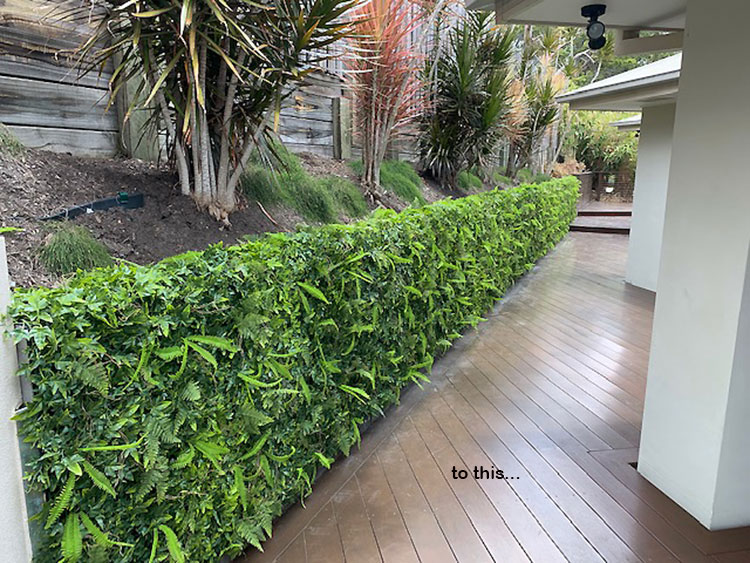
(179, 407)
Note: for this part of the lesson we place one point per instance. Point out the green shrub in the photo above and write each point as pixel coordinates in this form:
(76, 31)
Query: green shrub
(469, 182)
(501, 180)
(203, 394)
(289, 184)
(398, 177)
(70, 248)
(348, 196)
(541, 177)
(9, 144)
(525, 176)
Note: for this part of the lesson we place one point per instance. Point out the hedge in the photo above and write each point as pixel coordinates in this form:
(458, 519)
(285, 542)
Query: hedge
(178, 408)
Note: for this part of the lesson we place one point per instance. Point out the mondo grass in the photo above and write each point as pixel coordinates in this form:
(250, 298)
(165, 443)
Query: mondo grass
(71, 248)
(9, 144)
(319, 200)
(469, 182)
(398, 177)
(347, 195)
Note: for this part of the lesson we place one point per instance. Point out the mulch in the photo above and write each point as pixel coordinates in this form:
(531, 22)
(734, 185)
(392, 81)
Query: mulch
(43, 183)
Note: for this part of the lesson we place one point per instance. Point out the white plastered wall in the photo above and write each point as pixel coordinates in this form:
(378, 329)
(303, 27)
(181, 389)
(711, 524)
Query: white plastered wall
(695, 442)
(650, 197)
(15, 545)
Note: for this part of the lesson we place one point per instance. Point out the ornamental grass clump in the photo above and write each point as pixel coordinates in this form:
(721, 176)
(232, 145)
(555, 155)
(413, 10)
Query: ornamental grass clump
(70, 248)
(179, 408)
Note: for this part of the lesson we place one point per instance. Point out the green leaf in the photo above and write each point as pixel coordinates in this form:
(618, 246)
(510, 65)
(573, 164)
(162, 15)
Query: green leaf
(314, 291)
(239, 484)
(71, 544)
(214, 342)
(305, 389)
(205, 354)
(99, 478)
(154, 547)
(74, 467)
(256, 448)
(173, 545)
(326, 461)
(63, 499)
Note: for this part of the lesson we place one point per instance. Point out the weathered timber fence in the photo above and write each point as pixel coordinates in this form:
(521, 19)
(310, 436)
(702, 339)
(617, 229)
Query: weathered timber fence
(47, 105)
(315, 117)
(42, 99)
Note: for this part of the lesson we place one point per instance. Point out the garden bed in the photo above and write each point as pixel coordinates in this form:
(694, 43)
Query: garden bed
(42, 183)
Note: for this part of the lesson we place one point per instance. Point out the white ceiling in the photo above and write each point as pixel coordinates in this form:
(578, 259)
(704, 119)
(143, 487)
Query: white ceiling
(630, 14)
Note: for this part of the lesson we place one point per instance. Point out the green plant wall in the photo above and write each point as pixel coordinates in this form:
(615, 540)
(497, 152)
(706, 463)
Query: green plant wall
(178, 408)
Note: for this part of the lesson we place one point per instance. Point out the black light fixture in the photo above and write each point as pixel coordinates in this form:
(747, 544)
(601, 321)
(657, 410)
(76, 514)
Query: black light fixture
(596, 29)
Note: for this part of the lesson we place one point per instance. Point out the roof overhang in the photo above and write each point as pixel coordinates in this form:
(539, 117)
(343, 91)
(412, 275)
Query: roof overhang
(661, 15)
(628, 124)
(650, 85)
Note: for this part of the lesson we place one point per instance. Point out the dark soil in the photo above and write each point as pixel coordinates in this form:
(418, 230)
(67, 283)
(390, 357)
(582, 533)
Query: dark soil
(44, 183)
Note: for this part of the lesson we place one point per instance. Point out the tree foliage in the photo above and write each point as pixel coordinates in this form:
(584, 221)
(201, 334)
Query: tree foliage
(469, 104)
(214, 72)
(383, 78)
(178, 408)
(602, 148)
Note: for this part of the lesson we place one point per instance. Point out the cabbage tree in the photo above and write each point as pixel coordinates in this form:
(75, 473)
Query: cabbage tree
(213, 73)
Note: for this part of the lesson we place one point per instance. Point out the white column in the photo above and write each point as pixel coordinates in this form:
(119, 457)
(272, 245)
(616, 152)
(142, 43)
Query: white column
(15, 545)
(650, 196)
(695, 444)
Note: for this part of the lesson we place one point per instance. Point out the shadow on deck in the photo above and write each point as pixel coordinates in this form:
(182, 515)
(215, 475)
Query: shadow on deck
(550, 391)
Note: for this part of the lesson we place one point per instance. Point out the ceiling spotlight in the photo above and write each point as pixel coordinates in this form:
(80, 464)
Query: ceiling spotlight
(596, 29)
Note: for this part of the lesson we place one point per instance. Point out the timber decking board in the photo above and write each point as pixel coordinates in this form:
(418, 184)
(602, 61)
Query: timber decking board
(550, 390)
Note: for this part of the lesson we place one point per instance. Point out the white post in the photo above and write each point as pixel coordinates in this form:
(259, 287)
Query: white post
(695, 443)
(650, 195)
(15, 545)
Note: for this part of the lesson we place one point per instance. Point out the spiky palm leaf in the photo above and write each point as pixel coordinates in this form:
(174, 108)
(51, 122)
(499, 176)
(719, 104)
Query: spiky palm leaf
(469, 98)
(213, 73)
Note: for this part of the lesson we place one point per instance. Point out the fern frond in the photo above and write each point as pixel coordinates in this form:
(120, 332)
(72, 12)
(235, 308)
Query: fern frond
(239, 484)
(191, 392)
(72, 545)
(99, 537)
(63, 499)
(173, 544)
(148, 482)
(99, 478)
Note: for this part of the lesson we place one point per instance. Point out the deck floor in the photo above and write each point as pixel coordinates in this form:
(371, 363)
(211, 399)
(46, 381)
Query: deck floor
(550, 391)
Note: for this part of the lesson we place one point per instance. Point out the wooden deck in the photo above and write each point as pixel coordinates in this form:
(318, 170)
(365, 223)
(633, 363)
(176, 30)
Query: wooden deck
(550, 391)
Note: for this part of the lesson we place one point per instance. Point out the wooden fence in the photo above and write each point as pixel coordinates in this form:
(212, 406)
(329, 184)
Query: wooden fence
(48, 106)
(42, 99)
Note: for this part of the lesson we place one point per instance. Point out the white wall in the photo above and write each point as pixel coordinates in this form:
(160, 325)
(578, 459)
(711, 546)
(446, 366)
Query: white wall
(695, 441)
(15, 546)
(650, 196)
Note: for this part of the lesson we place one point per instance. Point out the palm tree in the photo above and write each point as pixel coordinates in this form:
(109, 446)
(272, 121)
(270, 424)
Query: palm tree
(468, 98)
(213, 72)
